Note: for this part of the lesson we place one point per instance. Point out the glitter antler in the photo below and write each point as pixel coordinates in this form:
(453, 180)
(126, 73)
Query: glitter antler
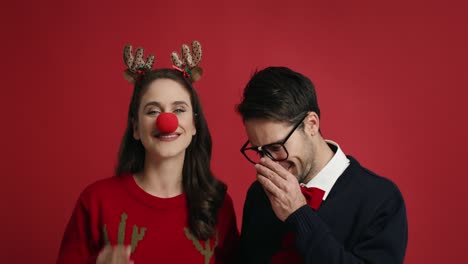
(136, 66)
(190, 60)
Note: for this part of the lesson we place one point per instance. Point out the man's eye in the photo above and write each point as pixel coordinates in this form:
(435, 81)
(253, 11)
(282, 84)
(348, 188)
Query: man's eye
(275, 148)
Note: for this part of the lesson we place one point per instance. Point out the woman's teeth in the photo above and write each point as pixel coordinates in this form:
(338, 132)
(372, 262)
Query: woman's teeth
(169, 136)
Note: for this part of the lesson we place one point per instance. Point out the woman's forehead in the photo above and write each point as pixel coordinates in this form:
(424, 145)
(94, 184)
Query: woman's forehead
(166, 92)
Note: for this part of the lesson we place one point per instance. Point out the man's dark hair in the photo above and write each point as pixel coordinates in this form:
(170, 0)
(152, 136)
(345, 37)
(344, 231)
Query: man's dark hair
(280, 94)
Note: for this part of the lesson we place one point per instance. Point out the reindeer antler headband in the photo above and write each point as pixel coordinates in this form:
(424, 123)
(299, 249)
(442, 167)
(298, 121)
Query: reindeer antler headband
(189, 64)
(136, 66)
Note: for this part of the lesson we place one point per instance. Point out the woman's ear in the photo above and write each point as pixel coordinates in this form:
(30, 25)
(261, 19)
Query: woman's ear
(136, 135)
(195, 117)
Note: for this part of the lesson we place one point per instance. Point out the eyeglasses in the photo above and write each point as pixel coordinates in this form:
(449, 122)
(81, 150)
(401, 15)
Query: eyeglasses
(275, 151)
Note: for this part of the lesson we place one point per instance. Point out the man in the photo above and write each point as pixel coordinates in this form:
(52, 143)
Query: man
(311, 203)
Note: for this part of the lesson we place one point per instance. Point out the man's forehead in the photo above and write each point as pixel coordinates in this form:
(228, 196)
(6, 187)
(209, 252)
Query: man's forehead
(265, 131)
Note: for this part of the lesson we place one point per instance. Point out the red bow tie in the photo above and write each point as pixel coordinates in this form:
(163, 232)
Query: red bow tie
(313, 195)
(288, 253)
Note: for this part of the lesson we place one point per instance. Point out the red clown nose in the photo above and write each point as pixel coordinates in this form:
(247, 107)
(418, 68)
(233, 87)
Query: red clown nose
(167, 123)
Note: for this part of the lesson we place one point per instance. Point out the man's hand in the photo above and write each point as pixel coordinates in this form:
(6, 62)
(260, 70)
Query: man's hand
(281, 187)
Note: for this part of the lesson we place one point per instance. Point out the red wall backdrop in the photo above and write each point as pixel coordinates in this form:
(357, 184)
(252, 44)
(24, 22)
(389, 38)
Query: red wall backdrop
(391, 79)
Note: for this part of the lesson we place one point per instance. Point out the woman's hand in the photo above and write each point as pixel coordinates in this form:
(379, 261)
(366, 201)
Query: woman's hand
(115, 255)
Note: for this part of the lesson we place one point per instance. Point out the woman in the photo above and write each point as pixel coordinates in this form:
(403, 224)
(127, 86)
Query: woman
(164, 205)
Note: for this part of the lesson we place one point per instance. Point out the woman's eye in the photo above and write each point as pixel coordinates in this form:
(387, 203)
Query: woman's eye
(152, 112)
(179, 110)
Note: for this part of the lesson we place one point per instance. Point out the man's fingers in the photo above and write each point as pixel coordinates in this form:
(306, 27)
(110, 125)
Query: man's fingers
(269, 186)
(271, 175)
(277, 168)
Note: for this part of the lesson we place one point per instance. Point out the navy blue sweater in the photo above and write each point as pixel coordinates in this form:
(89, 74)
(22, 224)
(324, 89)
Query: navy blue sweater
(363, 220)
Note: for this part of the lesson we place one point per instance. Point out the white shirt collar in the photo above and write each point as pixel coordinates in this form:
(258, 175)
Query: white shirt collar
(327, 177)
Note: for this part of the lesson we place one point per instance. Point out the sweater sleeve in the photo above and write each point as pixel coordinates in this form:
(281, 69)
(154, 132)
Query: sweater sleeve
(260, 228)
(76, 246)
(383, 241)
(228, 234)
(246, 252)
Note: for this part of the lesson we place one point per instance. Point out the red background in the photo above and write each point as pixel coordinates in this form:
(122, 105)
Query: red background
(391, 78)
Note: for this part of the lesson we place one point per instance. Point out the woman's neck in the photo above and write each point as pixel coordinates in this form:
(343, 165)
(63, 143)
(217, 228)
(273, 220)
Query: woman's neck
(162, 177)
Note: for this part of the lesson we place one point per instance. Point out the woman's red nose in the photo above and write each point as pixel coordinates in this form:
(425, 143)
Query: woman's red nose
(167, 122)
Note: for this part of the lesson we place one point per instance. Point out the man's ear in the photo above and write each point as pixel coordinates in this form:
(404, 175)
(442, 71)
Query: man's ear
(312, 124)
(136, 135)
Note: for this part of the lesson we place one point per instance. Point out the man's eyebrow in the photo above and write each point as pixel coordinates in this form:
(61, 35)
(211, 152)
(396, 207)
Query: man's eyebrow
(272, 143)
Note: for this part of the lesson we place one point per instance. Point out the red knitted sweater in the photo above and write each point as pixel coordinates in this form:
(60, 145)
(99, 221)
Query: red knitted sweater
(117, 211)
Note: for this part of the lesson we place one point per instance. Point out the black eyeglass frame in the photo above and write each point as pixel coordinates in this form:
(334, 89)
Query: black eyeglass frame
(261, 149)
